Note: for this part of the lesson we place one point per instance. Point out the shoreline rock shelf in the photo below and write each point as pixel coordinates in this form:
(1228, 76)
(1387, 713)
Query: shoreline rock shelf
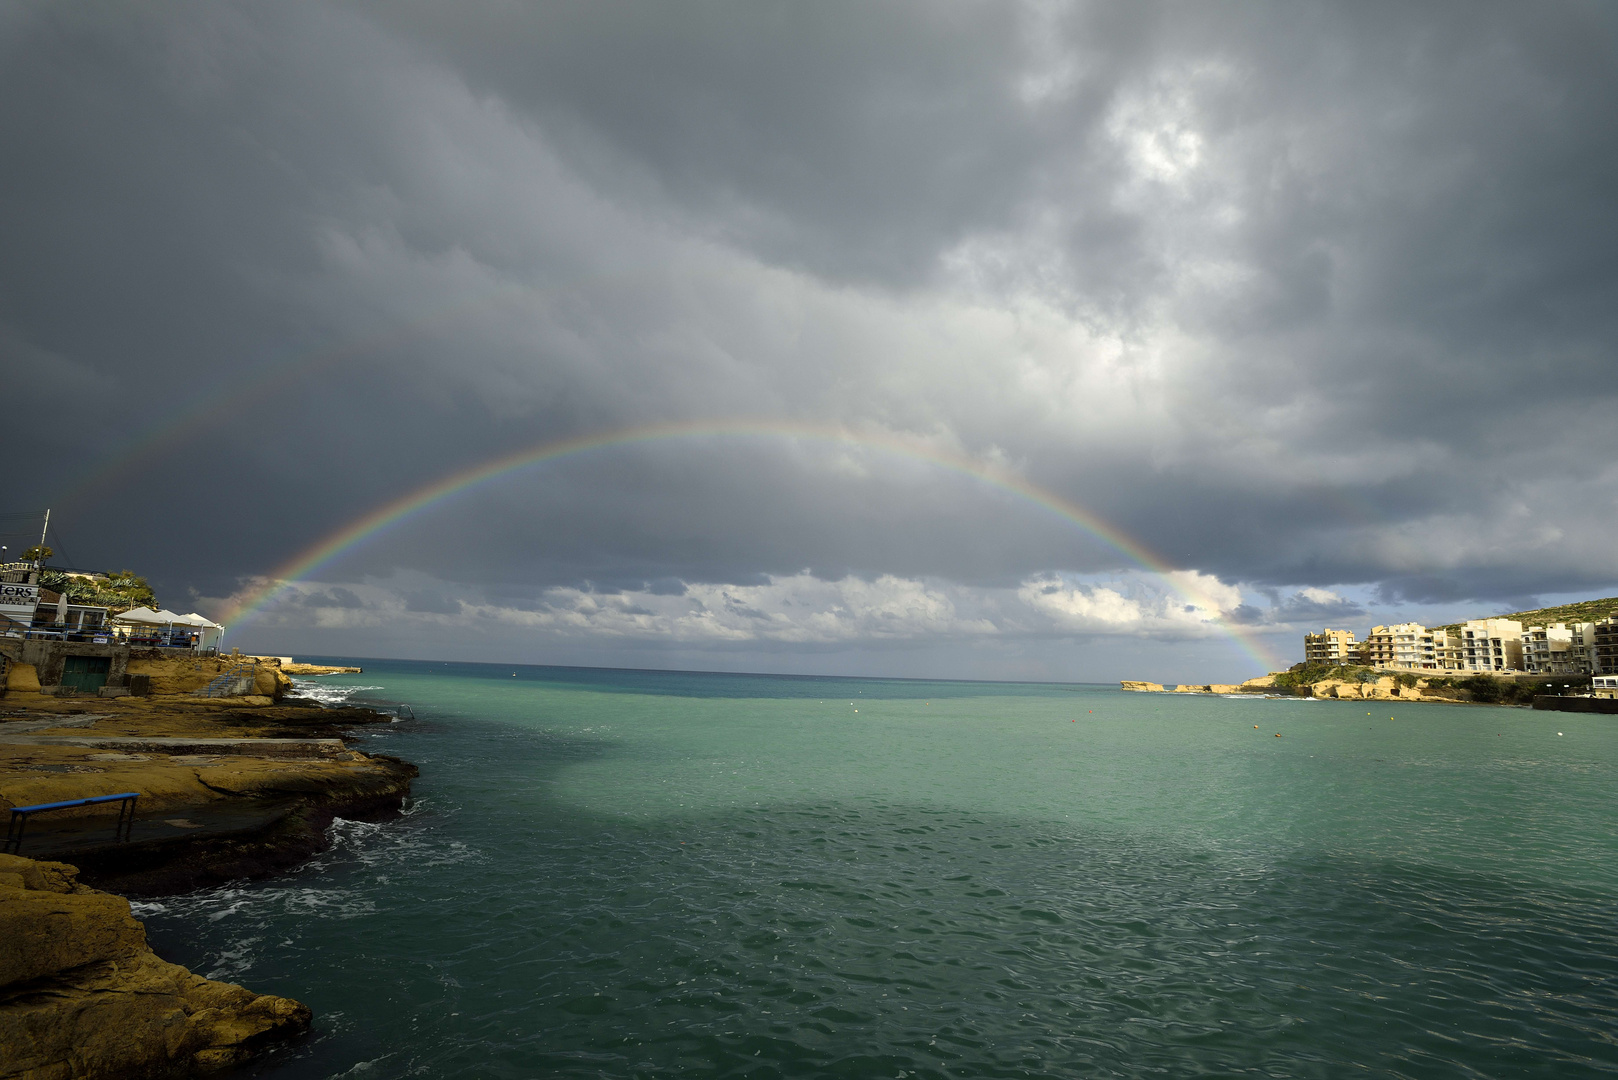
(318, 669)
(1261, 685)
(230, 788)
(82, 995)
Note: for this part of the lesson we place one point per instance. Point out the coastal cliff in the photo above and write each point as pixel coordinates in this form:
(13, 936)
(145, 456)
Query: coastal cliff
(81, 994)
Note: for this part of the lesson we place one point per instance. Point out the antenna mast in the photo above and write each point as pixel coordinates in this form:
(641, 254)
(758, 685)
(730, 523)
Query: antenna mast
(42, 533)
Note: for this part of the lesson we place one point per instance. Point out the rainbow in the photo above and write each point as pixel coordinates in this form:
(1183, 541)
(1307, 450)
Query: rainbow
(329, 549)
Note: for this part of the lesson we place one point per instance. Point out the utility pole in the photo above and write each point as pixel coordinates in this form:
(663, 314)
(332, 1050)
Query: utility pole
(42, 533)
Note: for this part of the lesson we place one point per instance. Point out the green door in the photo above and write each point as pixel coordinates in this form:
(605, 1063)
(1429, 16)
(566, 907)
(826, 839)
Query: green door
(86, 674)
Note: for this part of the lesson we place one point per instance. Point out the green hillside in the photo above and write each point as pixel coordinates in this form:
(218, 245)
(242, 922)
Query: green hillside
(1583, 611)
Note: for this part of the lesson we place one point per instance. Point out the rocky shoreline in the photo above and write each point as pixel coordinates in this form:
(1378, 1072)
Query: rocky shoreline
(82, 995)
(1370, 685)
(230, 788)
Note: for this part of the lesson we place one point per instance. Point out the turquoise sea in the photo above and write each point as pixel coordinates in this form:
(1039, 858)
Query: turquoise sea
(651, 874)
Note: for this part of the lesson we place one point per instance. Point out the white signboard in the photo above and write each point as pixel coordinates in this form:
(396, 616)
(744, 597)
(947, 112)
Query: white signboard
(19, 596)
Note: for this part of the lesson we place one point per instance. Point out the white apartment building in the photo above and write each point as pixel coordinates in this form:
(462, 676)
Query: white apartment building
(1479, 645)
(1559, 649)
(1331, 647)
(1604, 647)
(1490, 645)
(1407, 645)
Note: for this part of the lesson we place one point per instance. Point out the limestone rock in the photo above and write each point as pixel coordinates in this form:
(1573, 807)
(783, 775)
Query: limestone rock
(1263, 682)
(81, 996)
(1146, 687)
(43, 932)
(177, 676)
(23, 679)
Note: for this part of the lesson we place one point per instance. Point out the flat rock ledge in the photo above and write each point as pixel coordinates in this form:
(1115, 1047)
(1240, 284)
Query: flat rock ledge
(82, 997)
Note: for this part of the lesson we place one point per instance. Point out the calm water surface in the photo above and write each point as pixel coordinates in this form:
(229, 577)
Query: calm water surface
(639, 874)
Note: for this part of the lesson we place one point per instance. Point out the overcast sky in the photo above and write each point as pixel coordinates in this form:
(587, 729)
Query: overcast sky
(1318, 303)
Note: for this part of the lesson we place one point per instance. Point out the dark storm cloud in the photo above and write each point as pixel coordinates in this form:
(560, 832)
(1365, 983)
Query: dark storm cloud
(337, 597)
(1297, 295)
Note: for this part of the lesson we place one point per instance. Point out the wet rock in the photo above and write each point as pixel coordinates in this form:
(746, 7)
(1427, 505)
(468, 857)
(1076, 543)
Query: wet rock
(82, 996)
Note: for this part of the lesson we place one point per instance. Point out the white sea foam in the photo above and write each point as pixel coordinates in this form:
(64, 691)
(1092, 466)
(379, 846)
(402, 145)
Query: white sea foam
(246, 915)
(325, 693)
(360, 1068)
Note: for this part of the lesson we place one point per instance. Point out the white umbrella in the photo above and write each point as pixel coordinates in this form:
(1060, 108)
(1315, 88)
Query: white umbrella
(144, 615)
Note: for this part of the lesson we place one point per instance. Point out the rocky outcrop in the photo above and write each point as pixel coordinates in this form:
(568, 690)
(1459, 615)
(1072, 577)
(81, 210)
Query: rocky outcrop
(1383, 689)
(1252, 686)
(225, 792)
(319, 669)
(81, 995)
(170, 676)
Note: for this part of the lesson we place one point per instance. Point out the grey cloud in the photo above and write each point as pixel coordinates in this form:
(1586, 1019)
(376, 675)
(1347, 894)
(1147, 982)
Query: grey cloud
(335, 597)
(434, 603)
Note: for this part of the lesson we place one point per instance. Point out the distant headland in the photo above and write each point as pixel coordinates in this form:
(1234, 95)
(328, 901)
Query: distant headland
(1530, 658)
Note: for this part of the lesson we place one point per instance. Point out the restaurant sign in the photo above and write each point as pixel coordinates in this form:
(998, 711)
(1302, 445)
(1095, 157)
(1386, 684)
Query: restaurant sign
(13, 595)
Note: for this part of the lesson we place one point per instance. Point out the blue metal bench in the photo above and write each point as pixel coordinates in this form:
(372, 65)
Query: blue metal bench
(19, 817)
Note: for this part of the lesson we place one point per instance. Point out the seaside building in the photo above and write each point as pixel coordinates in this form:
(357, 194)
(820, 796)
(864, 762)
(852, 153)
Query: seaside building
(1559, 649)
(1479, 645)
(1604, 647)
(1330, 647)
(1491, 645)
(1407, 645)
(28, 609)
(1446, 650)
(144, 628)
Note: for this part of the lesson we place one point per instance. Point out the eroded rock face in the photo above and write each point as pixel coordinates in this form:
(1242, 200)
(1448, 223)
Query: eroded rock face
(81, 996)
(1144, 687)
(1383, 689)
